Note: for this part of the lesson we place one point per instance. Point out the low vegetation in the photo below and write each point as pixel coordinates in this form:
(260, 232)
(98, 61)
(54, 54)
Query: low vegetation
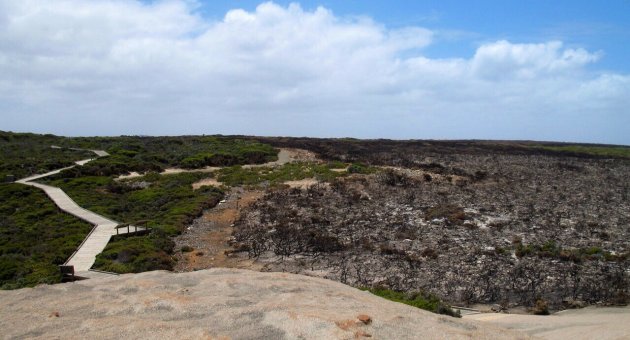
(135, 254)
(166, 203)
(25, 154)
(35, 237)
(541, 225)
(144, 154)
(551, 250)
(601, 151)
(420, 300)
(237, 175)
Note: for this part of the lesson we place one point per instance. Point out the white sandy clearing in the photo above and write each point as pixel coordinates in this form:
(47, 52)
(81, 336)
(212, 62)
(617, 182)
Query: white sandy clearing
(287, 155)
(576, 324)
(302, 184)
(206, 181)
(340, 170)
(170, 171)
(132, 174)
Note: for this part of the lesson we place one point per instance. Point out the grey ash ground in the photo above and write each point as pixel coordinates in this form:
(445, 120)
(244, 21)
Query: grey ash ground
(472, 225)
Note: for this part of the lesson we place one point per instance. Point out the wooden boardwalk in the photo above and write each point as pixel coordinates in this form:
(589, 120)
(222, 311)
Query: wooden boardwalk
(104, 228)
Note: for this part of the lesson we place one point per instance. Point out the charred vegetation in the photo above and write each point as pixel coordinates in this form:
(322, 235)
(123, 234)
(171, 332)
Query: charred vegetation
(472, 222)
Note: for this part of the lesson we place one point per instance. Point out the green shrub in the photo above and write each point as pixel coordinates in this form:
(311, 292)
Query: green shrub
(24, 154)
(420, 300)
(602, 151)
(35, 237)
(237, 175)
(167, 205)
(137, 254)
(142, 154)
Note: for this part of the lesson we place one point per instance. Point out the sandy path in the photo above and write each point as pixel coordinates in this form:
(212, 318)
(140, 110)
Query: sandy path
(206, 181)
(575, 324)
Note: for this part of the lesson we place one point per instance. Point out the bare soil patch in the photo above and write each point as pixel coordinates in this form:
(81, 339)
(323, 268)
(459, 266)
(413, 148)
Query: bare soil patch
(302, 184)
(288, 155)
(206, 181)
(179, 170)
(209, 236)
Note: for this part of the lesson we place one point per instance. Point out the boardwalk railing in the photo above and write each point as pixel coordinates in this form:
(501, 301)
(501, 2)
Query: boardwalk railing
(131, 229)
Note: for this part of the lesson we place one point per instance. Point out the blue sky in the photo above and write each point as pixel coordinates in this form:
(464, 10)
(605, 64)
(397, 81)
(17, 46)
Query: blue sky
(595, 25)
(527, 70)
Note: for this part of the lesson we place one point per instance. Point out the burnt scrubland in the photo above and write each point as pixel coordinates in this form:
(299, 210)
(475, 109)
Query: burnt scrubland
(472, 222)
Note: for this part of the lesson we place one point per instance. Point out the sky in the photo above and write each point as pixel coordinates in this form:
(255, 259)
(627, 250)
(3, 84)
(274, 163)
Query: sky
(515, 70)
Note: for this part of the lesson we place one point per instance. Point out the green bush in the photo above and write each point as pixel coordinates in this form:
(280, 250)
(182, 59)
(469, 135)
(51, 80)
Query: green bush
(25, 154)
(144, 154)
(238, 175)
(359, 168)
(166, 203)
(137, 254)
(602, 151)
(420, 300)
(35, 237)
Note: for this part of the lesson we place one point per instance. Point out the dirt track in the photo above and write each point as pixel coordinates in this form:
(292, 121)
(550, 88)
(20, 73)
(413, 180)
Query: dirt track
(209, 236)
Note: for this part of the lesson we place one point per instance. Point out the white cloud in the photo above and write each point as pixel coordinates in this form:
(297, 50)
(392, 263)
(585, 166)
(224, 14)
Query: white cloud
(114, 66)
(503, 59)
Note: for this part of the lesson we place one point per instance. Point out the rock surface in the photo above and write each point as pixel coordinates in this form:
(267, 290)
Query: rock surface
(575, 324)
(221, 304)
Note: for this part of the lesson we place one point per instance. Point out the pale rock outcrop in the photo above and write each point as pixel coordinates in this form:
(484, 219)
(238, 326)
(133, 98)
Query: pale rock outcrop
(222, 304)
